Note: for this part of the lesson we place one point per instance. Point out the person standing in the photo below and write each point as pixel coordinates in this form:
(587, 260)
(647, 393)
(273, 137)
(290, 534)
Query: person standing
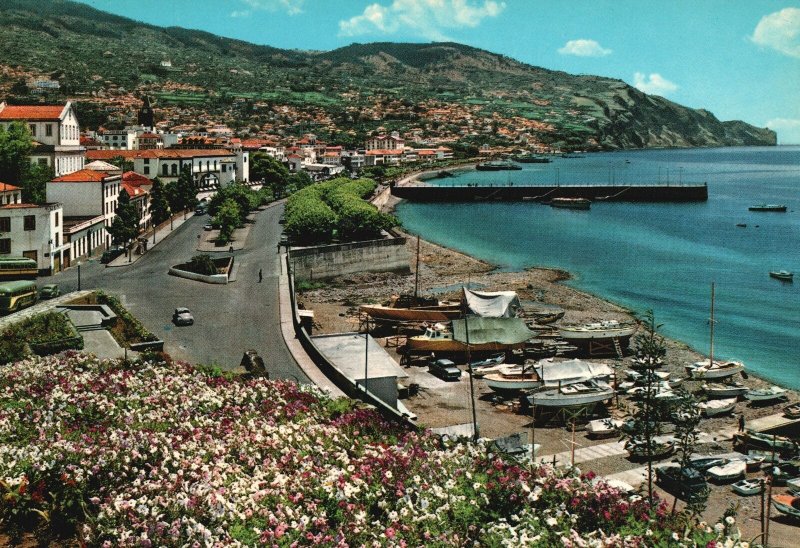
(741, 422)
(260, 275)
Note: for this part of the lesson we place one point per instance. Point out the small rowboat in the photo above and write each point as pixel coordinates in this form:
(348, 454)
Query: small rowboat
(728, 472)
(748, 487)
(766, 394)
(601, 428)
(792, 411)
(729, 390)
(713, 408)
(753, 462)
(793, 485)
(787, 504)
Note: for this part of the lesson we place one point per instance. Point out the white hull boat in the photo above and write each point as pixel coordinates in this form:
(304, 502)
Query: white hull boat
(718, 370)
(766, 394)
(732, 471)
(712, 408)
(510, 382)
(747, 487)
(601, 428)
(573, 395)
(719, 390)
(609, 329)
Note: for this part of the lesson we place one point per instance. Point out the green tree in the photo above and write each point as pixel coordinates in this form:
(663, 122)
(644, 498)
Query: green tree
(185, 191)
(122, 163)
(228, 217)
(34, 186)
(159, 205)
(125, 225)
(298, 181)
(686, 417)
(274, 174)
(16, 145)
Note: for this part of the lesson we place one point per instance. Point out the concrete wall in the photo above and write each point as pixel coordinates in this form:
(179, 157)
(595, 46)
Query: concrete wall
(330, 261)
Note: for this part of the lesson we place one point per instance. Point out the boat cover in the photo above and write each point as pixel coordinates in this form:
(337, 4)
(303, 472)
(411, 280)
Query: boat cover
(570, 371)
(491, 330)
(492, 304)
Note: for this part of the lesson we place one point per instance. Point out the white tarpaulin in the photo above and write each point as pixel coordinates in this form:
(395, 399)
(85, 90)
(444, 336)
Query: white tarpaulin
(571, 371)
(492, 304)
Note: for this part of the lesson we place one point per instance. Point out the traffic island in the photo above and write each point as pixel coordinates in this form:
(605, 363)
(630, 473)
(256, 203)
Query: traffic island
(203, 268)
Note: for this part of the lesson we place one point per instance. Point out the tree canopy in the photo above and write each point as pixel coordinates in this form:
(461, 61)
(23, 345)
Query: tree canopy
(125, 225)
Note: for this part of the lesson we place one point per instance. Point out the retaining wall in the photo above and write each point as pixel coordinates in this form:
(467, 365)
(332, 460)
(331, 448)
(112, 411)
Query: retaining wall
(329, 261)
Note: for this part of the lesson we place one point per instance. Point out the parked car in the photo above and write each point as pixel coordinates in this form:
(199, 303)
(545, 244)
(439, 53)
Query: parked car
(200, 210)
(445, 370)
(687, 484)
(49, 291)
(111, 254)
(207, 227)
(182, 316)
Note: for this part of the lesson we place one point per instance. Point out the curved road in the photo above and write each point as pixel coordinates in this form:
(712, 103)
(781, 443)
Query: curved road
(229, 319)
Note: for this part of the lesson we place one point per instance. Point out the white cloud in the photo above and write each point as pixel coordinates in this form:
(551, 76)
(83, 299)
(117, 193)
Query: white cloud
(780, 31)
(292, 7)
(240, 13)
(425, 18)
(584, 48)
(788, 129)
(654, 84)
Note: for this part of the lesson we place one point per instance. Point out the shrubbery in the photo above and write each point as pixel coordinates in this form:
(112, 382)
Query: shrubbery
(317, 212)
(49, 332)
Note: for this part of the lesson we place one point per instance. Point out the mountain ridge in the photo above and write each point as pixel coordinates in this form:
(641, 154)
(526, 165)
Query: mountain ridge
(351, 91)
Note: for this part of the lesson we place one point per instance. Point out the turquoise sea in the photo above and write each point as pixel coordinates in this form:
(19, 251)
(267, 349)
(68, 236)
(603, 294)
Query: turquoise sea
(657, 256)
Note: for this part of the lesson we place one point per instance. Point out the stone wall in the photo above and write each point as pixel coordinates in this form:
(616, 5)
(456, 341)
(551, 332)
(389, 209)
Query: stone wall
(329, 261)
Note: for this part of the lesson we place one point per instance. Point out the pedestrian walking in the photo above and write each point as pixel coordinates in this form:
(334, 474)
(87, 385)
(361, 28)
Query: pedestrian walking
(741, 422)
(230, 250)
(260, 275)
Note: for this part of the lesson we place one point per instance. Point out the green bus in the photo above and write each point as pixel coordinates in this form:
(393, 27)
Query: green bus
(16, 295)
(15, 268)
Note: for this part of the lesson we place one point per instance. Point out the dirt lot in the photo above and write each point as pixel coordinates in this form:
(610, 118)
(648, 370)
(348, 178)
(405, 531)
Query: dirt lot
(441, 403)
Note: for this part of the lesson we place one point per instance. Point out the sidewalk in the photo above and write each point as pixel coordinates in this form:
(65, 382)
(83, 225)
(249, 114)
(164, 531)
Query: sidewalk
(162, 232)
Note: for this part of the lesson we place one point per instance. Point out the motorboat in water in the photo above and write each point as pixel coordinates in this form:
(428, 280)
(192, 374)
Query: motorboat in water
(731, 471)
(748, 487)
(498, 165)
(716, 370)
(781, 208)
(783, 275)
(765, 394)
(571, 203)
(712, 408)
(728, 390)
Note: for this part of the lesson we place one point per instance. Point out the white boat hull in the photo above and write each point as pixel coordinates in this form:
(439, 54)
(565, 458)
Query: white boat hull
(723, 391)
(747, 487)
(774, 393)
(730, 472)
(556, 398)
(717, 407)
(719, 370)
(507, 383)
(603, 427)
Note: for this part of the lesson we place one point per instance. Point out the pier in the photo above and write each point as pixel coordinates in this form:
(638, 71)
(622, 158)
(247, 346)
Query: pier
(425, 192)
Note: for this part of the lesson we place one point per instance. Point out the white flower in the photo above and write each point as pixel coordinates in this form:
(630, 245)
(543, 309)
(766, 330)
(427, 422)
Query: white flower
(718, 527)
(730, 520)
(552, 522)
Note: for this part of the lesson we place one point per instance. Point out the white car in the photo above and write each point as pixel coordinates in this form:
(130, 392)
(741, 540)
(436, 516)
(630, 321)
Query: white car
(182, 316)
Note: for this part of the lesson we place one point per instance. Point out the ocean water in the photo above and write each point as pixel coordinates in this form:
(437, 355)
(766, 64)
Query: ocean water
(662, 257)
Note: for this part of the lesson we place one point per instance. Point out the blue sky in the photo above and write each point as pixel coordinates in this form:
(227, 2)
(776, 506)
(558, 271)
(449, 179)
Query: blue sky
(740, 59)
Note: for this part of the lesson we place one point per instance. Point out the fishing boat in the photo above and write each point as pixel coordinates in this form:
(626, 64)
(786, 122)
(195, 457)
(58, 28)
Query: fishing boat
(583, 335)
(783, 275)
(712, 408)
(439, 340)
(720, 390)
(748, 487)
(732, 471)
(571, 203)
(792, 411)
(532, 159)
(768, 207)
(765, 441)
(704, 463)
(765, 394)
(545, 314)
(498, 165)
(719, 369)
(783, 472)
(601, 428)
(513, 382)
(486, 335)
(787, 504)
(410, 308)
(577, 394)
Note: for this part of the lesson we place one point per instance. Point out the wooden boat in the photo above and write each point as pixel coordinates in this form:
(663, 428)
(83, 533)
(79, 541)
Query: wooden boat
(546, 316)
(571, 203)
(512, 383)
(753, 461)
(793, 485)
(704, 463)
(783, 472)
(787, 504)
(719, 390)
(792, 411)
(640, 377)
(582, 335)
(718, 369)
(765, 441)
(765, 394)
(441, 340)
(783, 275)
(497, 166)
(712, 408)
(748, 487)
(581, 393)
(768, 207)
(439, 313)
(728, 472)
(601, 428)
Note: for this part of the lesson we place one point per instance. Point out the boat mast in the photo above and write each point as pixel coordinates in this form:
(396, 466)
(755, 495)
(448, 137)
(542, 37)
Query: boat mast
(416, 275)
(711, 345)
(475, 435)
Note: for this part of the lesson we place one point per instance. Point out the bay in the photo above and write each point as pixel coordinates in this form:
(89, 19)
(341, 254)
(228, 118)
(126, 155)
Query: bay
(656, 256)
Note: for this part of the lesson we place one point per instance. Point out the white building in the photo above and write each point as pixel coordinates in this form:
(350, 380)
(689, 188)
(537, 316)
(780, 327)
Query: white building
(118, 139)
(385, 142)
(33, 231)
(56, 132)
(87, 194)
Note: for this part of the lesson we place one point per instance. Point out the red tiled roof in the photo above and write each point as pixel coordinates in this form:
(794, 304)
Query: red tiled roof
(83, 176)
(5, 187)
(157, 153)
(135, 179)
(19, 206)
(294, 156)
(384, 152)
(133, 191)
(149, 136)
(39, 112)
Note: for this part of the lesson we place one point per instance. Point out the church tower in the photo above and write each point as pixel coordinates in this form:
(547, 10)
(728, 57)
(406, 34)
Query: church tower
(146, 117)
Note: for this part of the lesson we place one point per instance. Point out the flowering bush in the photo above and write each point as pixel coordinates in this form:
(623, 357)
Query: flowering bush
(143, 454)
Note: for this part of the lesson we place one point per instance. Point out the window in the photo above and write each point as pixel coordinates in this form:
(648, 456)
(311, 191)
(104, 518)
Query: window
(224, 168)
(32, 127)
(174, 169)
(56, 218)
(147, 161)
(5, 224)
(147, 170)
(29, 222)
(56, 239)
(165, 169)
(48, 130)
(5, 246)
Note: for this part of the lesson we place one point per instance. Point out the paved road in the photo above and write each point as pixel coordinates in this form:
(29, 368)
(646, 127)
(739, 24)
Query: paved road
(229, 319)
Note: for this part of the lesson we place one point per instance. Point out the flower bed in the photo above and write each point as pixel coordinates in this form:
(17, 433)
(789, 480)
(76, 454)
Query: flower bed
(145, 454)
(42, 334)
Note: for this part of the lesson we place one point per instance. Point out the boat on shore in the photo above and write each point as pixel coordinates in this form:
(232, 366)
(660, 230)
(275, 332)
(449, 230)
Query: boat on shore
(748, 487)
(781, 208)
(765, 441)
(572, 395)
(717, 370)
(586, 334)
(724, 390)
(497, 165)
(712, 408)
(766, 394)
(731, 471)
(792, 411)
(442, 341)
(407, 308)
(601, 428)
(638, 448)
(782, 275)
(571, 203)
(787, 504)
(507, 382)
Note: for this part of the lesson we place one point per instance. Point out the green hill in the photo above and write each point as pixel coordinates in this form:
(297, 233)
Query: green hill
(349, 91)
